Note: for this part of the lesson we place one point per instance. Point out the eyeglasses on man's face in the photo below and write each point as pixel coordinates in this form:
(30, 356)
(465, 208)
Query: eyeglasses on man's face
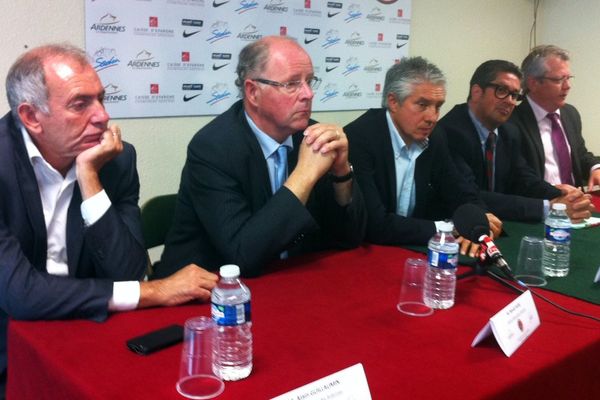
(557, 80)
(501, 92)
(291, 86)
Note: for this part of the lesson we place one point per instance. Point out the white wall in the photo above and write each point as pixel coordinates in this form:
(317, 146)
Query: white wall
(456, 35)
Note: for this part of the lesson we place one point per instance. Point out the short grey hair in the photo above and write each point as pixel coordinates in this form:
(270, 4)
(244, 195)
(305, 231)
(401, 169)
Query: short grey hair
(534, 65)
(253, 58)
(26, 79)
(401, 78)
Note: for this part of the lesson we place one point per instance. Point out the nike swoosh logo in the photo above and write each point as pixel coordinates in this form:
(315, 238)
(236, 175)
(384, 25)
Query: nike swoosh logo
(400, 45)
(218, 67)
(330, 14)
(186, 34)
(328, 69)
(307, 41)
(188, 98)
(215, 4)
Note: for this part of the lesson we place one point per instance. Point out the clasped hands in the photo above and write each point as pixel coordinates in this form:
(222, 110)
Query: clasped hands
(579, 205)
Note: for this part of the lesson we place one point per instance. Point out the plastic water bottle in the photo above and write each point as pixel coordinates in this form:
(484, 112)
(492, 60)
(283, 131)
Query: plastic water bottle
(231, 312)
(440, 279)
(557, 242)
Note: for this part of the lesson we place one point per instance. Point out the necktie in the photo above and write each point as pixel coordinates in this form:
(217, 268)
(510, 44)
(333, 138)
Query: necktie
(561, 150)
(280, 166)
(490, 148)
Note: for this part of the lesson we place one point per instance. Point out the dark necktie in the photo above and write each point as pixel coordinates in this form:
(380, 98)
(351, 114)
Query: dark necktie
(561, 150)
(490, 148)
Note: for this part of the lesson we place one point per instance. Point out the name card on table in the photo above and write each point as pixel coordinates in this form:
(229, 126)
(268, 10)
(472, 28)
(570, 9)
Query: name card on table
(512, 325)
(349, 383)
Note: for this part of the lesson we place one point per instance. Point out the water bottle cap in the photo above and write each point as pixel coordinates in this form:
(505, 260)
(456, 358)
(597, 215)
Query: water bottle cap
(559, 206)
(229, 271)
(446, 226)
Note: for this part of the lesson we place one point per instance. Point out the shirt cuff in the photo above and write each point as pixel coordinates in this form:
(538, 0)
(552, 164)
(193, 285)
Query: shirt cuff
(126, 296)
(94, 208)
(546, 209)
(594, 167)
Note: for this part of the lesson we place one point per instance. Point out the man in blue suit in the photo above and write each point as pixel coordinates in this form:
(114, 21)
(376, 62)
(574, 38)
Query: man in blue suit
(70, 233)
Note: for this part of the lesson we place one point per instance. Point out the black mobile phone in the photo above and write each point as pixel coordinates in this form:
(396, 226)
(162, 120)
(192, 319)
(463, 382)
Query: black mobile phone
(156, 340)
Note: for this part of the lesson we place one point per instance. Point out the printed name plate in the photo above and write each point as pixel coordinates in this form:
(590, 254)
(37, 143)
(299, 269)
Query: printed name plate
(349, 383)
(512, 325)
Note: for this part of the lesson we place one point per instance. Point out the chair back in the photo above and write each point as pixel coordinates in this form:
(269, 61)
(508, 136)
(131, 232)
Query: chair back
(157, 216)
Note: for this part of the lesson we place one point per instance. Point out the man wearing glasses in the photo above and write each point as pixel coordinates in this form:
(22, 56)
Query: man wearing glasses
(487, 149)
(262, 181)
(552, 142)
(406, 174)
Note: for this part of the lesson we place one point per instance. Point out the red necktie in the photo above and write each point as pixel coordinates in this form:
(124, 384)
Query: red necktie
(561, 149)
(490, 148)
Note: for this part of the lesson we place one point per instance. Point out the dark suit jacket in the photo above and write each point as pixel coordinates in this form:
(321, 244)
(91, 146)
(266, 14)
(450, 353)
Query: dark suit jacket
(439, 187)
(518, 190)
(533, 150)
(109, 250)
(226, 213)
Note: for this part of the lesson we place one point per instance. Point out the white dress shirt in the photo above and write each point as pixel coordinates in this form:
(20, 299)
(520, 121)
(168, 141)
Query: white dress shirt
(56, 192)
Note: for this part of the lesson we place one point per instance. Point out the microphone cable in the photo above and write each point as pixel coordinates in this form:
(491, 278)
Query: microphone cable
(509, 284)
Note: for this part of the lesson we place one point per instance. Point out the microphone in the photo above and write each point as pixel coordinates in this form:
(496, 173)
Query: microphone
(471, 223)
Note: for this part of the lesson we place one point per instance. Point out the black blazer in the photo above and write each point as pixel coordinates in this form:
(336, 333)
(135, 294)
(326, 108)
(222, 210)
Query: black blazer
(109, 250)
(226, 213)
(518, 191)
(439, 187)
(533, 150)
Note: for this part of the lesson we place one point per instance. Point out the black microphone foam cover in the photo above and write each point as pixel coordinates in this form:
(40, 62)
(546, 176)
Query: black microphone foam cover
(470, 222)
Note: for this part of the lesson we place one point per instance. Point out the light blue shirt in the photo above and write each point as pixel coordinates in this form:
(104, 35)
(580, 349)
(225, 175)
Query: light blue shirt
(269, 148)
(405, 158)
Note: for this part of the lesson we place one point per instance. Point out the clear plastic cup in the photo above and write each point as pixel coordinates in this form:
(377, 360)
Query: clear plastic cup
(196, 377)
(411, 293)
(529, 262)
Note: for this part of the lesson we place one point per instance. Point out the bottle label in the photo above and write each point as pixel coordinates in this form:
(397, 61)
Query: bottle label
(232, 315)
(560, 235)
(442, 260)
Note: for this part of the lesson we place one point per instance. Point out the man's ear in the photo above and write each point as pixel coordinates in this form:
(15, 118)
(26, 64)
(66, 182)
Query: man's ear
(29, 117)
(251, 92)
(392, 102)
(476, 91)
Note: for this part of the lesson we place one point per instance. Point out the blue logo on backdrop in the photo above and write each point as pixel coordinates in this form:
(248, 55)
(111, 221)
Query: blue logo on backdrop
(330, 92)
(105, 58)
(246, 5)
(353, 13)
(218, 92)
(351, 66)
(219, 30)
(332, 38)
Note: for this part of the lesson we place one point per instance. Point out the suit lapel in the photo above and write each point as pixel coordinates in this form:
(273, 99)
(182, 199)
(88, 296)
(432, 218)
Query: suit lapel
(385, 143)
(75, 230)
(533, 131)
(31, 199)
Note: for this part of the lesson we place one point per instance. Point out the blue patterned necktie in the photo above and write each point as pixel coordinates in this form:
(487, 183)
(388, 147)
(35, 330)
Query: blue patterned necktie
(280, 166)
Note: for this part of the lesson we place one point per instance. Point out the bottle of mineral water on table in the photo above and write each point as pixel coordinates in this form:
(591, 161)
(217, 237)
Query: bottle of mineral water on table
(231, 312)
(557, 242)
(440, 278)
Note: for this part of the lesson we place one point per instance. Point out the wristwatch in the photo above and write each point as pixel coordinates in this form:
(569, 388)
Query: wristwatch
(343, 178)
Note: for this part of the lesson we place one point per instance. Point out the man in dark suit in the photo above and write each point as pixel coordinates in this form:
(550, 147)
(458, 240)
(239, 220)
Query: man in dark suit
(70, 234)
(552, 142)
(407, 176)
(487, 149)
(236, 202)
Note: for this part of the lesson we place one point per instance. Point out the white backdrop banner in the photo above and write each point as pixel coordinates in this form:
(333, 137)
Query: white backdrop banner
(178, 57)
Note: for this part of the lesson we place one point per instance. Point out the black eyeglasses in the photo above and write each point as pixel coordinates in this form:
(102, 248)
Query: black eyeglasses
(501, 92)
(291, 86)
(558, 81)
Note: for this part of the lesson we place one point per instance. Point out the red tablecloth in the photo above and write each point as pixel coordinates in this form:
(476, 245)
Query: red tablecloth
(320, 314)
